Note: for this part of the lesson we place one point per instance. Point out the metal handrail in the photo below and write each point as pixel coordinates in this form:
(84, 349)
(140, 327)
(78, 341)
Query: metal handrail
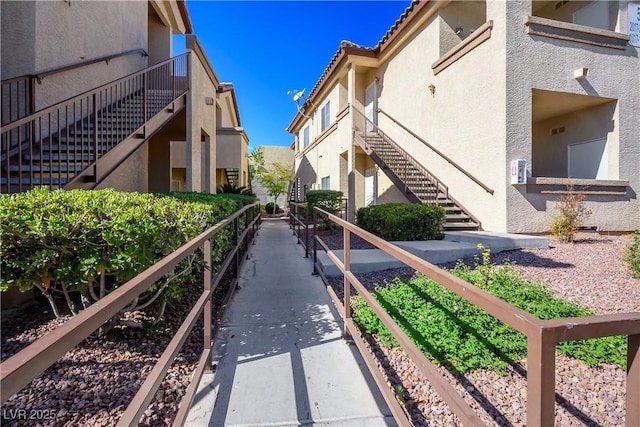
(30, 79)
(409, 159)
(91, 92)
(17, 371)
(42, 74)
(92, 123)
(542, 335)
(438, 152)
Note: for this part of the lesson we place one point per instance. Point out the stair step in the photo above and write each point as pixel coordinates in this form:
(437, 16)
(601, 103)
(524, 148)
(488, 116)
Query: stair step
(460, 217)
(62, 157)
(14, 180)
(38, 168)
(461, 226)
(73, 148)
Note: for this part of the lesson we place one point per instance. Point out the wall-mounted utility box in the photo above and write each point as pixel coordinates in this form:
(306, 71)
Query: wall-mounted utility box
(519, 171)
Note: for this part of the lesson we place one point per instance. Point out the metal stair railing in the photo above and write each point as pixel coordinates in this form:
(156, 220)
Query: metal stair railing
(90, 124)
(428, 196)
(438, 152)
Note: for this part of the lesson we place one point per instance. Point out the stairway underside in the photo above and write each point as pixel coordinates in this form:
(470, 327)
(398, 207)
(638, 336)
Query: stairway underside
(416, 184)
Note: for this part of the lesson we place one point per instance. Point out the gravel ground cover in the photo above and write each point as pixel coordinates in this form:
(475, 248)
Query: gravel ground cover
(590, 271)
(93, 383)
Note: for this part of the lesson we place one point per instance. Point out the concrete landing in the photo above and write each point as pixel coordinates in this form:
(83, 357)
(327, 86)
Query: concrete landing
(456, 245)
(279, 357)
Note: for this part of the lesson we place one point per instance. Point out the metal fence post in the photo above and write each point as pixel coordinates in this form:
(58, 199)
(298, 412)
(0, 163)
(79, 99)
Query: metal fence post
(541, 379)
(632, 417)
(208, 326)
(347, 284)
(306, 236)
(315, 240)
(237, 249)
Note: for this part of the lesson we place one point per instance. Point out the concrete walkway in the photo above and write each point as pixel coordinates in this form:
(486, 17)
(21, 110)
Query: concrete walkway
(279, 357)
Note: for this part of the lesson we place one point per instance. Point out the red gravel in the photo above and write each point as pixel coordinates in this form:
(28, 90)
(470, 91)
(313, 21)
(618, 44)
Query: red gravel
(591, 271)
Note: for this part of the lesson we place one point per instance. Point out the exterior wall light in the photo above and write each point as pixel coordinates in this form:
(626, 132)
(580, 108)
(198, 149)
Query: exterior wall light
(580, 73)
(432, 89)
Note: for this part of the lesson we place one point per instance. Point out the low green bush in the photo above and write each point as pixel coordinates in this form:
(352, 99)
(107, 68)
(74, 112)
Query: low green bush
(403, 221)
(457, 334)
(632, 255)
(271, 208)
(91, 242)
(328, 200)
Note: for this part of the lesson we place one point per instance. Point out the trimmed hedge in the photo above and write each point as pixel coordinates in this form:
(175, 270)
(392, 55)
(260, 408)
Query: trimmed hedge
(70, 240)
(402, 221)
(328, 200)
(271, 208)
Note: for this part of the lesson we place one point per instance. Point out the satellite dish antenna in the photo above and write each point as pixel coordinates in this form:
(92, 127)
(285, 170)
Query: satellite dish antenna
(298, 98)
(298, 95)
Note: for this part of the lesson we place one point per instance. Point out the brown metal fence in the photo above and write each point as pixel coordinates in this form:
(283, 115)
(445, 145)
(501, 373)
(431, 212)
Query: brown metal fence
(17, 371)
(542, 335)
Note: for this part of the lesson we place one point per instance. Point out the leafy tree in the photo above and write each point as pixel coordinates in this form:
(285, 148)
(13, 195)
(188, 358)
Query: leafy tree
(256, 163)
(275, 179)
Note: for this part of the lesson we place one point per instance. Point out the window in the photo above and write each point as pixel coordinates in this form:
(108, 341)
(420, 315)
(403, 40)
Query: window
(325, 117)
(325, 183)
(306, 137)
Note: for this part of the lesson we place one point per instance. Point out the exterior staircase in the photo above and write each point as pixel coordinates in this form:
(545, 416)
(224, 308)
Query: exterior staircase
(417, 183)
(79, 142)
(233, 175)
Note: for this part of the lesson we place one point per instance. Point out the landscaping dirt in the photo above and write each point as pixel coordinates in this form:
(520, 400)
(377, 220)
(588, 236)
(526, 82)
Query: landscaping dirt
(590, 271)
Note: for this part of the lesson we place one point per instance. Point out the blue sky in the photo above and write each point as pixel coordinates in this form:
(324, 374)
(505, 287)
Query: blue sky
(269, 47)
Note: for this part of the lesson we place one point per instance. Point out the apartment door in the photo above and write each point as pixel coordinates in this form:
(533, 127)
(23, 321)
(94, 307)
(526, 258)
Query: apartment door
(370, 187)
(370, 105)
(589, 160)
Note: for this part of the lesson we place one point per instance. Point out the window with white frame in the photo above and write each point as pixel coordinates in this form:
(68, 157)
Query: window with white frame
(325, 116)
(325, 183)
(306, 137)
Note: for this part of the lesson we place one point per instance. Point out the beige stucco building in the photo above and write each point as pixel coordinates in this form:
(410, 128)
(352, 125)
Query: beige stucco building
(455, 92)
(92, 98)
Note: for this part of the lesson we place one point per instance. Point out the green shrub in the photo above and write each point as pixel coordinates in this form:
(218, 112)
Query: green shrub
(91, 242)
(272, 208)
(234, 189)
(632, 255)
(457, 334)
(328, 200)
(402, 221)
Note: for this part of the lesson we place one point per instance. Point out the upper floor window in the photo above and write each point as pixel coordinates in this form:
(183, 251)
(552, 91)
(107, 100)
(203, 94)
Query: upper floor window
(325, 117)
(306, 137)
(325, 183)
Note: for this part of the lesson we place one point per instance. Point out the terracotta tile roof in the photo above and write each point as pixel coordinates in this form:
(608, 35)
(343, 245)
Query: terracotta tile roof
(347, 47)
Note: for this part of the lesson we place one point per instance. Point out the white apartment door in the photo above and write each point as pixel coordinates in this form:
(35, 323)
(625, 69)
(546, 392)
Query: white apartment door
(589, 160)
(370, 105)
(370, 187)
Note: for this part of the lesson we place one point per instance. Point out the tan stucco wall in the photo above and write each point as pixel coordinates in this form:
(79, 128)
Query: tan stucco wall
(39, 36)
(201, 118)
(548, 65)
(132, 175)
